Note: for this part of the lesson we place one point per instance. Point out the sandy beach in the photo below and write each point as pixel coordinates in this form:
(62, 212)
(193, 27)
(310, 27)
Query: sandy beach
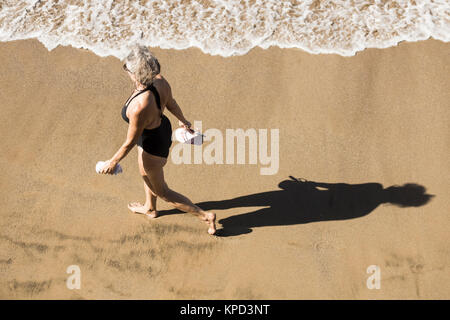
(351, 126)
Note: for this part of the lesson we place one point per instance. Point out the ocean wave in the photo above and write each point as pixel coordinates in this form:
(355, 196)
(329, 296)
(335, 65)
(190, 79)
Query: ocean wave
(225, 27)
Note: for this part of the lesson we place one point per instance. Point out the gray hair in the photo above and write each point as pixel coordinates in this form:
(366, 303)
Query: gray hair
(143, 64)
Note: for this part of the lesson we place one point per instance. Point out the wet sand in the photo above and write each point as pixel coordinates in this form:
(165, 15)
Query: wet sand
(354, 124)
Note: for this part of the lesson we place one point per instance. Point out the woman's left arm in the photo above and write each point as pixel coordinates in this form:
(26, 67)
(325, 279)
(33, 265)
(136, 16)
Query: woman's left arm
(135, 129)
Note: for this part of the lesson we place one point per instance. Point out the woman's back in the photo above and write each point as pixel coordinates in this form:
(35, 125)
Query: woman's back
(151, 111)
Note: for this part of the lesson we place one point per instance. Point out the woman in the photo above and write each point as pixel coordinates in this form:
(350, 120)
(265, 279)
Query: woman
(152, 132)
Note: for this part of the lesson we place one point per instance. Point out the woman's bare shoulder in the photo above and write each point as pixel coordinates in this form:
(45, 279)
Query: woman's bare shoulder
(163, 86)
(162, 81)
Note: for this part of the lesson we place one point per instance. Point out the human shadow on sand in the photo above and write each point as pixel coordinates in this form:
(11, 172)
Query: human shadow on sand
(300, 201)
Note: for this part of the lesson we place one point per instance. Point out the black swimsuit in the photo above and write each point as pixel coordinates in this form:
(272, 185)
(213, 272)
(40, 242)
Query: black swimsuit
(155, 141)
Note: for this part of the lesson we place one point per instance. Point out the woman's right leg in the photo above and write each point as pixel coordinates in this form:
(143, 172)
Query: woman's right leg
(153, 167)
(150, 200)
(149, 207)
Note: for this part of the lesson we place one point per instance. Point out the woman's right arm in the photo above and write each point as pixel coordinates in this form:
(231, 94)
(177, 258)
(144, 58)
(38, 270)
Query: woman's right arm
(175, 109)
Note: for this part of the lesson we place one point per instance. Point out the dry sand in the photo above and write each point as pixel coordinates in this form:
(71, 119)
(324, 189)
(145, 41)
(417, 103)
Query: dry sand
(379, 117)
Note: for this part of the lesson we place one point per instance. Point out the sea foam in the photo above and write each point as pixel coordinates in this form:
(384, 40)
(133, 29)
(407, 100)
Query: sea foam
(225, 27)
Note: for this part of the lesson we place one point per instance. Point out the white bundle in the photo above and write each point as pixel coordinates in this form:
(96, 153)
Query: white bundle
(100, 164)
(185, 136)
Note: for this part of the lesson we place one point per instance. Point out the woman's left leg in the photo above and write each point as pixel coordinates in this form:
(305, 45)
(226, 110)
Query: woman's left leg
(153, 166)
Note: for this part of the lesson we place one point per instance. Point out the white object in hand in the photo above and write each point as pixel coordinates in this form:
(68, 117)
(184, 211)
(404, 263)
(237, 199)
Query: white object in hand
(185, 136)
(100, 164)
